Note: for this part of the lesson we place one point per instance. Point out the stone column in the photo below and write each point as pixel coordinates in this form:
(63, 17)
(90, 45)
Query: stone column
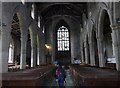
(82, 57)
(100, 51)
(24, 34)
(92, 53)
(53, 44)
(116, 44)
(43, 49)
(33, 46)
(86, 52)
(5, 42)
(38, 50)
(0, 51)
(0, 61)
(41, 43)
(40, 53)
(5, 27)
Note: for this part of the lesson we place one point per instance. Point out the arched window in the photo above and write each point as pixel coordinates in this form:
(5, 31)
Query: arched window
(63, 39)
(39, 21)
(43, 31)
(11, 53)
(32, 11)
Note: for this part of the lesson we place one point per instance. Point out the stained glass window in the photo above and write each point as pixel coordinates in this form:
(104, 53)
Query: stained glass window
(63, 39)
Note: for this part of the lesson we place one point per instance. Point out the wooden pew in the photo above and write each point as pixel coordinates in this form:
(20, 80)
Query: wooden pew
(31, 78)
(87, 77)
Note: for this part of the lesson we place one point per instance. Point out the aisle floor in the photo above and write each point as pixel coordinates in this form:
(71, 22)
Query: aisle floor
(69, 81)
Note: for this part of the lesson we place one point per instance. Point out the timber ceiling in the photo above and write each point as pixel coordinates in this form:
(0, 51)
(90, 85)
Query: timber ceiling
(52, 9)
(48, 10)
(15, 26)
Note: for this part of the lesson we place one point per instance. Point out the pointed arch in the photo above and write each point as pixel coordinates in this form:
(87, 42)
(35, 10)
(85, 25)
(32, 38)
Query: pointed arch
(63, 52)
(105, 38)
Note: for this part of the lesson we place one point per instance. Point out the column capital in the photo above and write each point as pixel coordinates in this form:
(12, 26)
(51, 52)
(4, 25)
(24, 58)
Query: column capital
(115, 27)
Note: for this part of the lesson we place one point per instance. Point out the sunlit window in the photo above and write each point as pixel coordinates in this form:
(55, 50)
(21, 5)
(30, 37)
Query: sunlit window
(43, 31)
(11, 54)
(39, 21)
(63, 39)
(32, 11)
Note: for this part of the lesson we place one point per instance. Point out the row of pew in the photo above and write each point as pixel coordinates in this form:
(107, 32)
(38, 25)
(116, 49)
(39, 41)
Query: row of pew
(30, 78)
(92, 77)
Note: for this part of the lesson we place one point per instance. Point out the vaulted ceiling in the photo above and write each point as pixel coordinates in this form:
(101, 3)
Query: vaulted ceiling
(52, 9)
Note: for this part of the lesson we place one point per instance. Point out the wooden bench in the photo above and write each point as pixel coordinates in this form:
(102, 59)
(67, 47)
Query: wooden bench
(90, 77)
(31, 78)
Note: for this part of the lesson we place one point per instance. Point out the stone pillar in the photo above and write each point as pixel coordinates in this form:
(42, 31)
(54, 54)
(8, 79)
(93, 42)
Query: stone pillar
(33, 46)
(24, 34)
(38, 50)
(116, 44)
(101, 51)
(86, 52)
(5, 42)
(41, 43)
(92, 53)
(40, 53)
(0, 61)
(5, 27)
(82, 57)
(43, 49)
(0, 52)
(53, 44)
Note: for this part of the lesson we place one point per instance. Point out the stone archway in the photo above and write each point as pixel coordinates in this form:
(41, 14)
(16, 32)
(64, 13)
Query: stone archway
(107, 41)
(15, 36)
(106, 57)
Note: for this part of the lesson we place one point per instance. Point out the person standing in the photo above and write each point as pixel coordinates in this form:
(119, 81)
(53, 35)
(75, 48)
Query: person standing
(60, 76)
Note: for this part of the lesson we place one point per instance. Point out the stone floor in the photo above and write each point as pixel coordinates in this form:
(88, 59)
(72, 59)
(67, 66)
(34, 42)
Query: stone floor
(69, 81)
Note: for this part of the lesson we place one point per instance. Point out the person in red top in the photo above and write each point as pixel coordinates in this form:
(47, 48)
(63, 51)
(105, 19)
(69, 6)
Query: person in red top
(60, 76)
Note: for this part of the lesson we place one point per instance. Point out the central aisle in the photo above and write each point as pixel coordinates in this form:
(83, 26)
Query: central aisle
(69, 81)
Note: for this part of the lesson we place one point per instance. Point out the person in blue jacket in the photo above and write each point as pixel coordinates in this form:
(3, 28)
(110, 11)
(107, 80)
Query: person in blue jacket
(60, 76)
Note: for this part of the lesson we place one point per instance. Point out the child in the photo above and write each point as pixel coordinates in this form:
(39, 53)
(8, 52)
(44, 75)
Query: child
(60, 77)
